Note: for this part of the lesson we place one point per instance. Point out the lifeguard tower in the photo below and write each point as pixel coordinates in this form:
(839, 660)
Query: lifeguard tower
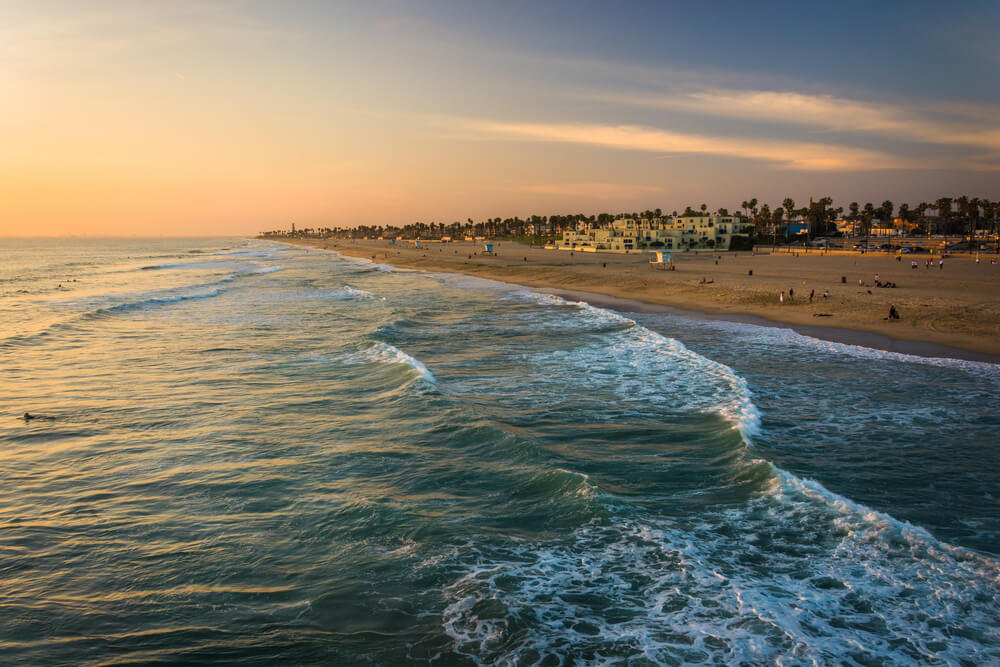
(661, 260)
(488, 248)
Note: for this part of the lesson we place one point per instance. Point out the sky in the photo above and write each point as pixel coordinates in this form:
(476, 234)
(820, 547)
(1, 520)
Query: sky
(230, 117)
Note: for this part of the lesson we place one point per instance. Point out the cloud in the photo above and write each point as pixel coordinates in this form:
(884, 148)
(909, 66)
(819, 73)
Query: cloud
(802, 156)
(827, 112)
(604, 191)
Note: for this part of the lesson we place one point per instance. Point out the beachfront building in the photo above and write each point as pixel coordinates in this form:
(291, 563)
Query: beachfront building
(683, 233)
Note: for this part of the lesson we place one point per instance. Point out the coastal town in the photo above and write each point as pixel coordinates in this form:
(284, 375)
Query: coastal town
(961, 224)
(921, 279)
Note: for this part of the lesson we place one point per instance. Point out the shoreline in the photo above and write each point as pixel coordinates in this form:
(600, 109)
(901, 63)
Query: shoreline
(958, 317)
(831, 334)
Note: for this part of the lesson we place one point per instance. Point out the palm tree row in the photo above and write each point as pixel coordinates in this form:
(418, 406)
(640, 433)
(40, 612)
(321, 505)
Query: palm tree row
(959, 215)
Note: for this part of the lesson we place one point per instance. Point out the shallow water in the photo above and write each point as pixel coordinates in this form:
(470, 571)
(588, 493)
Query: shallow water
(262, 453)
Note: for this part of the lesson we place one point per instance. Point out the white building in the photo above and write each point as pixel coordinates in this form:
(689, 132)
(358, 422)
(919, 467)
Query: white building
(627, 235)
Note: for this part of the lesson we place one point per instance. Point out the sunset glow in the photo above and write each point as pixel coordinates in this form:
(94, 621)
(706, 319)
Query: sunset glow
(192, 118)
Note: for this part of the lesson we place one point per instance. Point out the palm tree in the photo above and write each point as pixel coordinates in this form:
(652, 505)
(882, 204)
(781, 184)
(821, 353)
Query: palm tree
(789, 205)
(866, 219)
(974, 205)
(886, 210)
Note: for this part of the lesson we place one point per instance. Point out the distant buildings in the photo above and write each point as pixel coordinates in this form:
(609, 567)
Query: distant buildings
(682, 233)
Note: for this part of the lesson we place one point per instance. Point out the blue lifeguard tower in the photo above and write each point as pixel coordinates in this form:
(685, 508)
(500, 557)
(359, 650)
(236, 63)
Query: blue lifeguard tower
(661, 260)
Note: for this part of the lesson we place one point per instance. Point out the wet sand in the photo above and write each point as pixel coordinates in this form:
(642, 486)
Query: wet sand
(954, 311)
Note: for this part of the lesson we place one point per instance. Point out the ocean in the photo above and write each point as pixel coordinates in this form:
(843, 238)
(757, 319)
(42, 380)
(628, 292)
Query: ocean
(247, 452)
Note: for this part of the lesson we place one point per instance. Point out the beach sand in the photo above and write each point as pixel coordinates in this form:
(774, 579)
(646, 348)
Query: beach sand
(954, 311)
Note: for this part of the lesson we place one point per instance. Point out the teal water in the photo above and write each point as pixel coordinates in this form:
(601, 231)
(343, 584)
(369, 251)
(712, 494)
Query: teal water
(262, 454)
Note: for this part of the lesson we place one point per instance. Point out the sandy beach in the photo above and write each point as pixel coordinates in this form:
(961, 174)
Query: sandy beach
(943, 311)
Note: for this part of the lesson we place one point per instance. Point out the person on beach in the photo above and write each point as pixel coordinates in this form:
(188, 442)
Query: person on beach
(781, 298)
(941, 263)
(812, 293)
(893, 315)
(826, 294)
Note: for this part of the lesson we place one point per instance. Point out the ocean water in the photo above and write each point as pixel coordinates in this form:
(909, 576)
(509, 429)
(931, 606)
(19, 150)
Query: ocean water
(260, 454)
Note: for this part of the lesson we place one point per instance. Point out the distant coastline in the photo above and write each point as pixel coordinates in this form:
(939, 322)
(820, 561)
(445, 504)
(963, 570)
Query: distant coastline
(946, 312)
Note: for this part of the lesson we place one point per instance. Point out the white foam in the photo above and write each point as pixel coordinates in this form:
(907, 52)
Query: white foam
(385, 353)
(785, 338)
(654, 367)
(356, 293)
(830, 580)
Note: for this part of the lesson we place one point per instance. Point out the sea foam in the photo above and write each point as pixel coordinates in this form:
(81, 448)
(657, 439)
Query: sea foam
(385, 353)
(660, 366)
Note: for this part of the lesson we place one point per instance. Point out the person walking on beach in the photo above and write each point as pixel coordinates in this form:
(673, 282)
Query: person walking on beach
(941, 263)
(781, 298)
(812, 293)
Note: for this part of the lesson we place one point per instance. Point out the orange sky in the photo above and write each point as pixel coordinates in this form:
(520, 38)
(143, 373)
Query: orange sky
(233, 117)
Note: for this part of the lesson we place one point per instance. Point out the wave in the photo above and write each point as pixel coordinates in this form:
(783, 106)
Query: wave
(211, 289)
(353, 293)
(788, 338)
(660, 367)
(384, 353)
(152, 302)
(800, 576)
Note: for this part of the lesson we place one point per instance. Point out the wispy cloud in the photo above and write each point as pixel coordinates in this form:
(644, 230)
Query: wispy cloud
(785, 154)
(603, 191)
(830, 113)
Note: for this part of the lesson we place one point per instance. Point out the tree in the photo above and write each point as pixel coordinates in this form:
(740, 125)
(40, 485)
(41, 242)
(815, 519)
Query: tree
(943, 206)
(885, 212)
(789, 204)
(867, 215)
(777, 216)
(704, 207)
(817, 216)
(974, 205)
